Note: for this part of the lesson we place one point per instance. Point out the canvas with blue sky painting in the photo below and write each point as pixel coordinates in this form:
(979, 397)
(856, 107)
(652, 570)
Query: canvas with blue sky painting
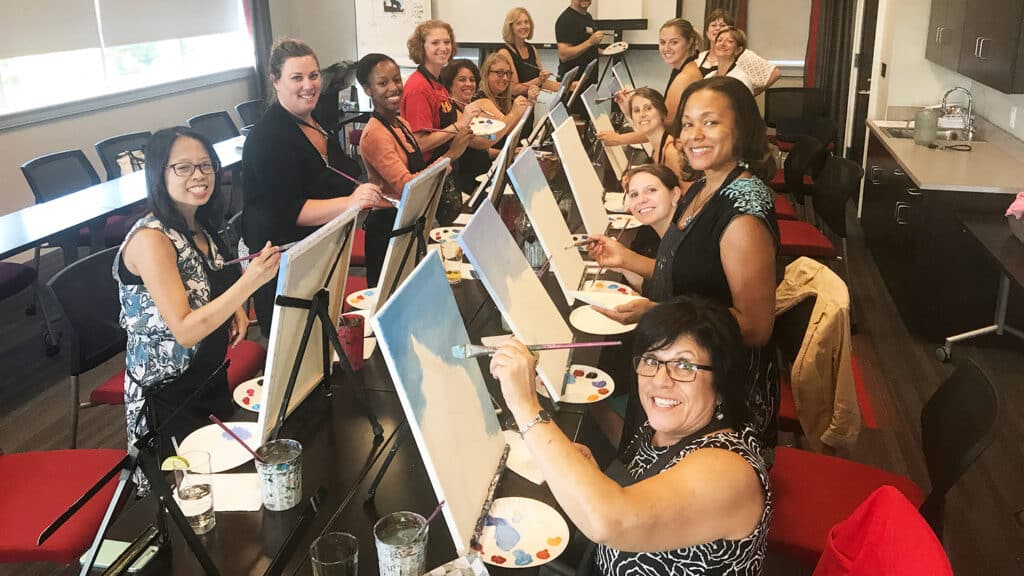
(445, 399)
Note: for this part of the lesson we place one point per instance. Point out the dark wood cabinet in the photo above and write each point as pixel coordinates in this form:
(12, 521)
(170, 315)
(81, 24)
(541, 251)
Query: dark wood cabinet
(980, 39)
(938, 278)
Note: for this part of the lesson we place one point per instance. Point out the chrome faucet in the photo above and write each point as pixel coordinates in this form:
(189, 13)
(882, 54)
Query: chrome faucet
(969, 124)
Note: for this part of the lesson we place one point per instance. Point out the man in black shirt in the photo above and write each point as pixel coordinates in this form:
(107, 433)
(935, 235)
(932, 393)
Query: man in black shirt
(577, 37)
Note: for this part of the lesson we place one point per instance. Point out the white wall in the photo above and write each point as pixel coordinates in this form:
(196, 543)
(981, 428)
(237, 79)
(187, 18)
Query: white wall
(328, 26)
(18, 145)
(777, 29)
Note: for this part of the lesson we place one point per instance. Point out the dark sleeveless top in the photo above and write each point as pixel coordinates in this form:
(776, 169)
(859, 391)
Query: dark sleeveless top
(524, 70)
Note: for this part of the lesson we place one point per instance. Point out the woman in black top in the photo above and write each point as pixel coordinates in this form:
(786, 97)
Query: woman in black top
(461, 78)
(289, 165)
(527, 71)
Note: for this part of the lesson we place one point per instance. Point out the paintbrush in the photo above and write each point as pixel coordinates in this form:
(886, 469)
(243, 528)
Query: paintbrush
(544, 268)
(457, 101)
(612, 97)
(231, 433)
(352, 179)
(578, 243)
(429, 520)
(466, 351)
(444, 130)
(617, 236)
(251, 256)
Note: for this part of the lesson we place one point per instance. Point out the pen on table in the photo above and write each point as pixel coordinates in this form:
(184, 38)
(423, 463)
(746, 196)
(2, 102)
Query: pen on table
(251, 256)
(473, 350)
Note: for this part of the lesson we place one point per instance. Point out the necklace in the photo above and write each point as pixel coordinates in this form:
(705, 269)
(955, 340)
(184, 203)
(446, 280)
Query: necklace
(696, 210)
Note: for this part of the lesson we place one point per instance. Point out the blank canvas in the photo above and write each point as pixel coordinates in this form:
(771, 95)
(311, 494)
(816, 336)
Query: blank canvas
(600, 116)
(445, 399)
(518, 294)
(583, 180)
(554, 235)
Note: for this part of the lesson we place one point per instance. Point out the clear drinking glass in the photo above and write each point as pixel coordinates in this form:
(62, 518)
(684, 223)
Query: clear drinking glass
(335, 554)
(194, 491)
(451, 254)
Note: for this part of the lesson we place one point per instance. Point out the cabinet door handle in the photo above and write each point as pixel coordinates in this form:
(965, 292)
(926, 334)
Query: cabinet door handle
(875, 171)
(976, 42)
(898, 172)
(938, 34)
(899, 219)
(914, 191)
(981, 48)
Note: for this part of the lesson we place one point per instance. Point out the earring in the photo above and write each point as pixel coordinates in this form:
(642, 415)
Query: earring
(719, 415)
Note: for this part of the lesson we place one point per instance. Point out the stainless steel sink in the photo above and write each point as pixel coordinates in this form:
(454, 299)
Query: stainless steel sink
(941, 135)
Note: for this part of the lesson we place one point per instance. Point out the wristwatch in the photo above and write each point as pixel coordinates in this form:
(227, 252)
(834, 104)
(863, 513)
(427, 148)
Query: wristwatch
(542, 417)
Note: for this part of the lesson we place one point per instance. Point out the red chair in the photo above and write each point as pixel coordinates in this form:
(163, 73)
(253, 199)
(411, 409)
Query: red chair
(813, 492)
(358, 248)
(784, 209)
(885, 536)
(37, 488)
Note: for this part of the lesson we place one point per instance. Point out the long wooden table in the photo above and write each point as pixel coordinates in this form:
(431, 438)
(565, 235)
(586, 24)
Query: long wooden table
(32, 226)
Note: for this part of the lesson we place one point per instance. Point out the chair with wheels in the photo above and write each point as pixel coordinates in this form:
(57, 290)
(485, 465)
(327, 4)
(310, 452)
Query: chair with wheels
(216, 126)
(813, 492)
(111, 149)
(250, 111)
(37, 488)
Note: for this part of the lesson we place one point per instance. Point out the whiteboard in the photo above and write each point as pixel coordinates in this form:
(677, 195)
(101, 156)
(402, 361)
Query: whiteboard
(480, 22)
(386, 31)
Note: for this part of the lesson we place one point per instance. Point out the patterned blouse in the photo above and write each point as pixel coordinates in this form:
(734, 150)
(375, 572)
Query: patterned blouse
(743, 557)
(153, 353)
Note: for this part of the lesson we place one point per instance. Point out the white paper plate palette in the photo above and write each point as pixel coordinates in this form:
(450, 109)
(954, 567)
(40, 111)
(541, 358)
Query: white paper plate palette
(616, 48)
(225, 453)
(615, 202)
(445, 233)
(486, 126)
(522, 533)
(620, 221)
(586, 385)
(249, 394)
(363, 299)
(587, 319)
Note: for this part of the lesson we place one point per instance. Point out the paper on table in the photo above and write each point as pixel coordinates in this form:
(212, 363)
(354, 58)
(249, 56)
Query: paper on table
(236, 492)
(519, 459)
(462, 219)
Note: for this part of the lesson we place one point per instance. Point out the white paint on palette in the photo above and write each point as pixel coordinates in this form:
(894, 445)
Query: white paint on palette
(518, 294)
(583, 180)
(539, 202)
(445, 399)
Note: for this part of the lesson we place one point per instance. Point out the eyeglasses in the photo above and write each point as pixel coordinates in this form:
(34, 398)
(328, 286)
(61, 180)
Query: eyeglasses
(502, 73)
(186, 169)
(678, 370)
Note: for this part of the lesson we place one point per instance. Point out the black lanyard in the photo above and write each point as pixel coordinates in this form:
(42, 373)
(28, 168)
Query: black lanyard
(413, 160)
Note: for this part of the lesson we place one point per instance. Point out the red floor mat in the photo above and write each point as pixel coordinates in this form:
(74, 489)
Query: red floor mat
(867, 416)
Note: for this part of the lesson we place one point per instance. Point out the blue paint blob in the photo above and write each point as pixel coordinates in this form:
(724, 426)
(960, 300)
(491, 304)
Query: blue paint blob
(242, 433)
(504, 534)
(369, 292)
(256, 407)
(522, 558)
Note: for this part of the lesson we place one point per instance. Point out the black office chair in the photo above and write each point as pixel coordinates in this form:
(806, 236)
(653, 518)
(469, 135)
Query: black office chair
(831, 192)
(250, 111)
(111, 149)
(87, 295)
(803, 163)
(216, 126)
(792, 103)
(231, 233)
(791, 129)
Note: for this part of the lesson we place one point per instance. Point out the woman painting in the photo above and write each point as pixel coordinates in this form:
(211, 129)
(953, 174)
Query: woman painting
(722, 242)
(390, 151)
(648, 114)
(180, 306)
(694, 496)
(517, 31)
(290, 165)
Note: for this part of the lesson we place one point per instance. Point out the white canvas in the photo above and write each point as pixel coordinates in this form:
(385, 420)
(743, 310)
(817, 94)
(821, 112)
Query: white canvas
(445, 399)
(600, 116)
(496, 175)
(583, 179)
(554, 235)
(419, 198)
(518, 294)
(304, 270)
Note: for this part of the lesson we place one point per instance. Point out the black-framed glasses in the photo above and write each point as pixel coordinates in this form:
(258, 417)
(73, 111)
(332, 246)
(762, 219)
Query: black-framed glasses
(678, 370)
(186, 169)
(502, 73)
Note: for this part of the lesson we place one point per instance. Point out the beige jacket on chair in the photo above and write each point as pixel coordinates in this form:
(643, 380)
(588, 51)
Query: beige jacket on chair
(822, 374)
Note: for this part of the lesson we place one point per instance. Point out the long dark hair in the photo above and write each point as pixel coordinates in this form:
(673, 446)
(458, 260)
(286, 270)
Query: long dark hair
(714, 329)
(750, 144)
(159, 201)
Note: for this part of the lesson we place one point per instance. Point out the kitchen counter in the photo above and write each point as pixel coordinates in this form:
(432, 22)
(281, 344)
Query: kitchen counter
(988, 168)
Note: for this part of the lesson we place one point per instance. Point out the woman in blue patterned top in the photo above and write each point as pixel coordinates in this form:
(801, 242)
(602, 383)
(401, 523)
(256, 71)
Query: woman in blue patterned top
(180, 306)
(693, 496)
(720, 239)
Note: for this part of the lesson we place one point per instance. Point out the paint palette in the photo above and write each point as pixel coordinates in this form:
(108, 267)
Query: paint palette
(615, 202)
(486, 126)
(363, 299)
(606, 286)
(445, 233)
(589, 320)
(578, 237)
(620, 221)
(522, 533)
(225, 453)
(616, 48)
(586, 385)
(248, 394)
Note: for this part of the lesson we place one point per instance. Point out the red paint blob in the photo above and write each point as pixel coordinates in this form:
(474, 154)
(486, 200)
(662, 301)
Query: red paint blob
(498, 559)
(578, 373)
(602, 391)
(543, 554)
(250, 392)
(478, 547)
(245, 401)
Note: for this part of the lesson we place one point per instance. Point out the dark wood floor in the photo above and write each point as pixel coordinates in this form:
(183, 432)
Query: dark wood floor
(982, 537)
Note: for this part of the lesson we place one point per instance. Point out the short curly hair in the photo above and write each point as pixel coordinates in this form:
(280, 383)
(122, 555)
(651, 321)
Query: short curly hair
(417, 52)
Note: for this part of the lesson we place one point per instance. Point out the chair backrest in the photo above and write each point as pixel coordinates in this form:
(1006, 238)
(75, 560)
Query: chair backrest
(111, 148)
(791, 326)
(59, 174)
(216, 126)
(250, 111)
(232, 234)
(807, 152)
(956, 427)
(792, 103)
(832, 190)
(88, 298)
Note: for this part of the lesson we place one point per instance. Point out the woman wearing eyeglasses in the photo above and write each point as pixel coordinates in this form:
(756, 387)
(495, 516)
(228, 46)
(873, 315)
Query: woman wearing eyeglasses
(495, 95)
(693, 496)
(180, 306)
(289, 165)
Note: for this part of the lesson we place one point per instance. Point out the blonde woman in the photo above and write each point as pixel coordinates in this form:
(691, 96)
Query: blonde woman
(526, 69)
